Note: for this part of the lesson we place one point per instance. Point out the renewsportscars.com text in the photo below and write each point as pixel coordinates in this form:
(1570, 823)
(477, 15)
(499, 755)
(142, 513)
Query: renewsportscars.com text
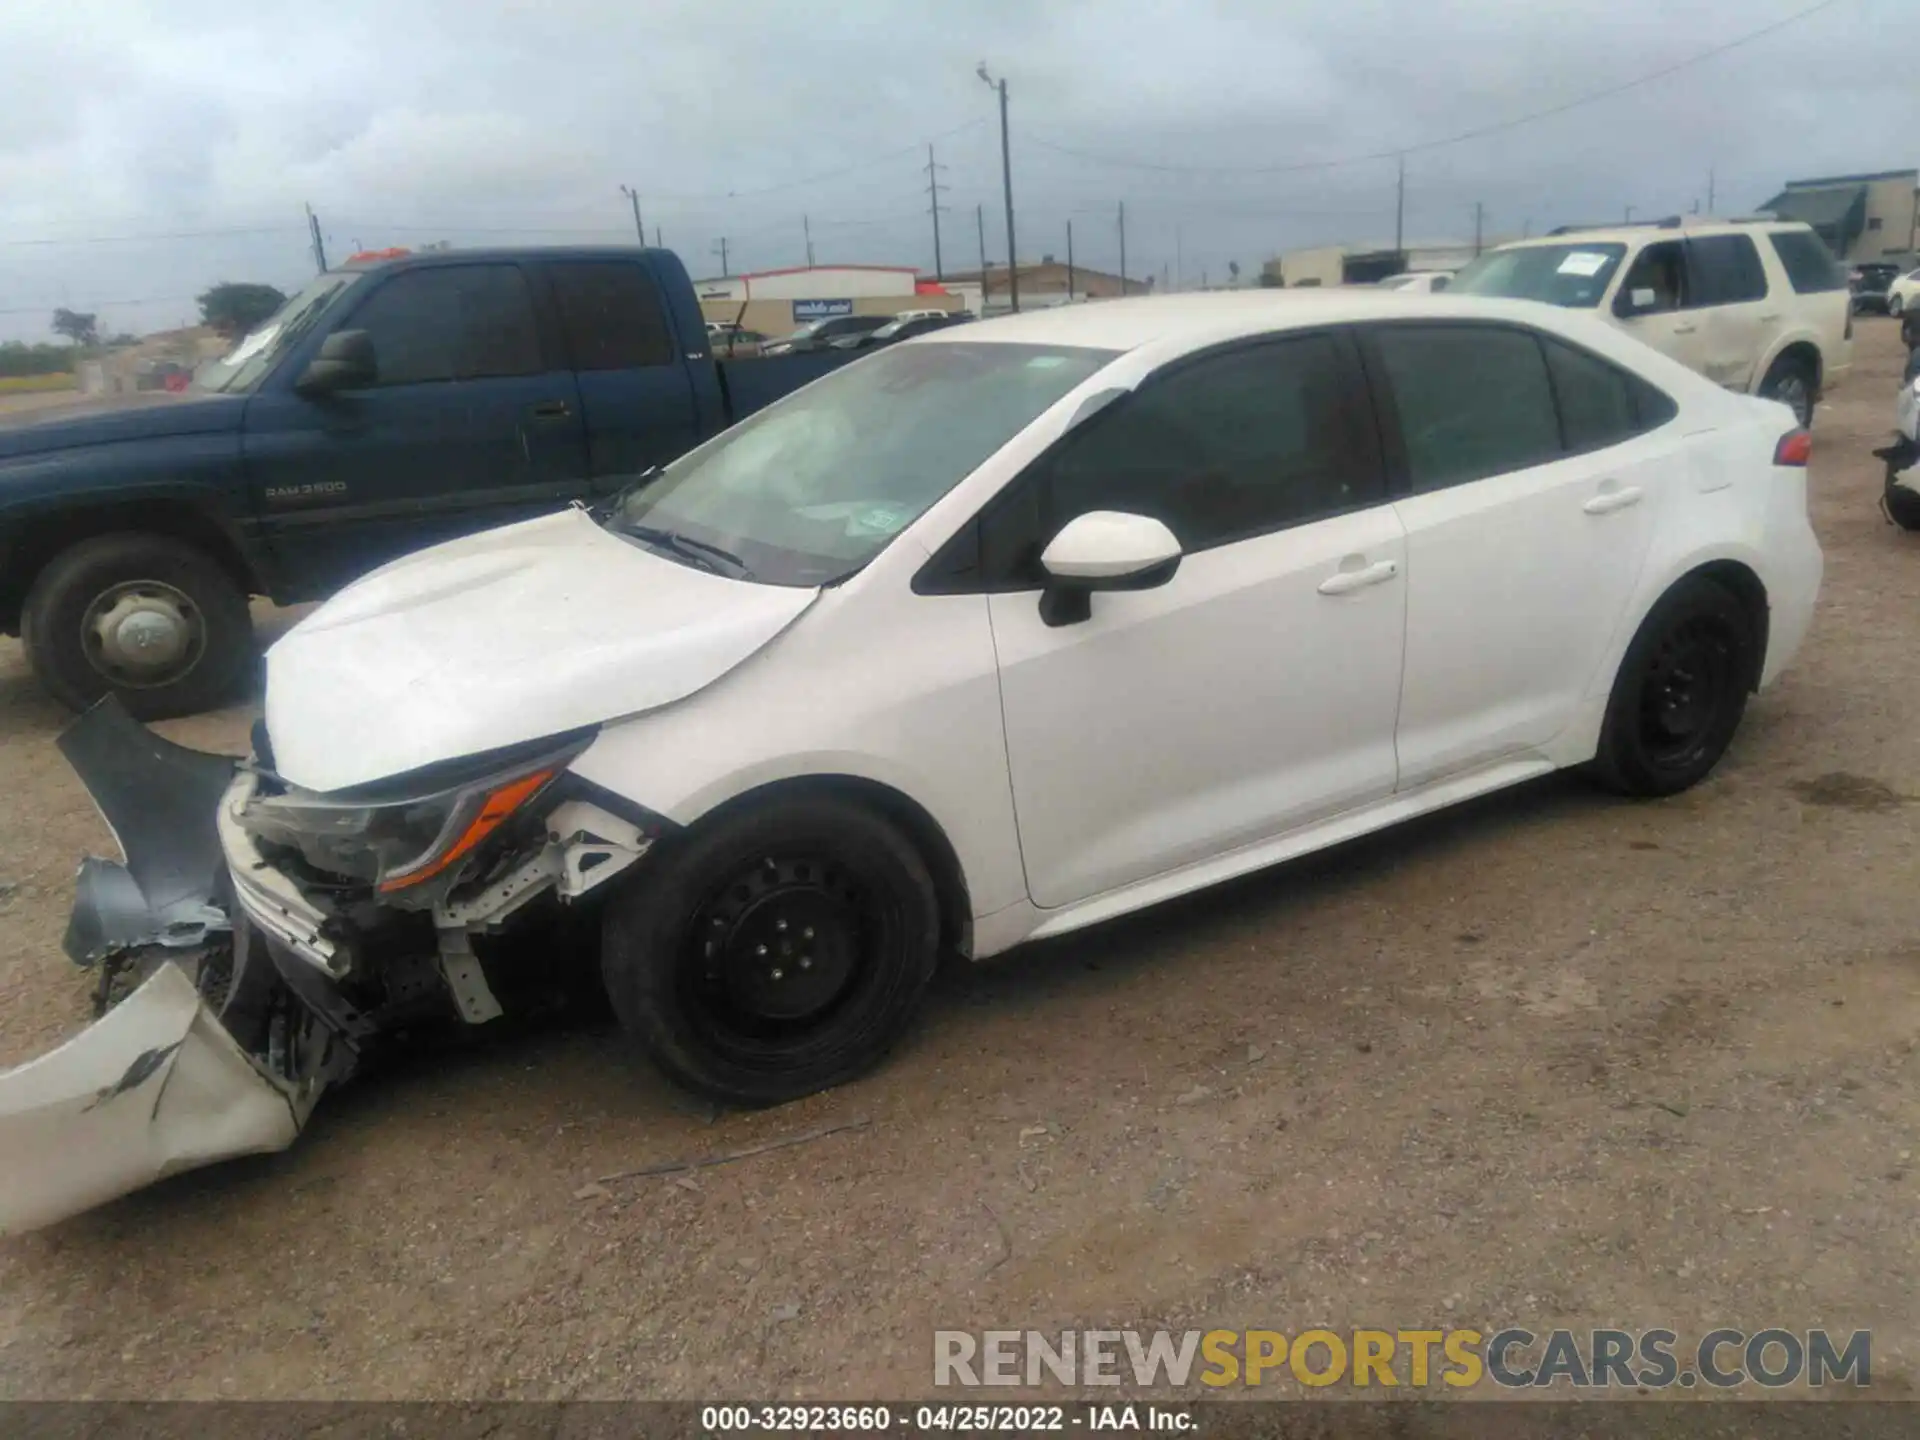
(1510, 1358)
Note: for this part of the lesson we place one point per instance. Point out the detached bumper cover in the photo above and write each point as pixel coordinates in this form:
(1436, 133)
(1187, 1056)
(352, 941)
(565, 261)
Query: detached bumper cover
(155, 1087)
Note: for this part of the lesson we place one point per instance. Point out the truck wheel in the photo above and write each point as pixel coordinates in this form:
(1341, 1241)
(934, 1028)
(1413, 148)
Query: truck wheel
(777, 952)
(148, 618)
(1680, 693)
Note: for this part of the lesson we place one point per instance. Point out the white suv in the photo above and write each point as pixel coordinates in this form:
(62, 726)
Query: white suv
(1758, 306)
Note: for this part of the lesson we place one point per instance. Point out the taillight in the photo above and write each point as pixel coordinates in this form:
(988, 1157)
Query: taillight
(1795, 448)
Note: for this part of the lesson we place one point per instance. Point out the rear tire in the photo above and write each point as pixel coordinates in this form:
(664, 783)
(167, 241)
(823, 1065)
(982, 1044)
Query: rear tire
(148, 618)
(1680, 693)
(1895, 305)
(1791, 382)
(778, 951)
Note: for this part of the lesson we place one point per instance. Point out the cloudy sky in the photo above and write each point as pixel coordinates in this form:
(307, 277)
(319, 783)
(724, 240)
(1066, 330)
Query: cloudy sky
(148, 150)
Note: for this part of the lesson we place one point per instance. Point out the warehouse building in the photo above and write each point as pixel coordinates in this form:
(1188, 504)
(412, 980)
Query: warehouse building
(776, 302)
(1861, 217)
(1046, 283)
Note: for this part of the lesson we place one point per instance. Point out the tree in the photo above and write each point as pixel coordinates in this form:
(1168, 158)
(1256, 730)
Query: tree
(232, 309)
(81, 329)
(1233, 270)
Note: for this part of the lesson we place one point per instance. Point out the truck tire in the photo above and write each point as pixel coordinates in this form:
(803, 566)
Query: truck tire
(148, 618)
(778, 951)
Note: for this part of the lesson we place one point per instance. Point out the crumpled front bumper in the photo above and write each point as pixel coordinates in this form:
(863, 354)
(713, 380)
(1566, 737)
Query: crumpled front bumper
(155, 1087)
(159, 1084)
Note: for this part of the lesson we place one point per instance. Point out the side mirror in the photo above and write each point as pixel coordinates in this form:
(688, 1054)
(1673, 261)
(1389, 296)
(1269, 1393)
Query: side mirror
(1638, 301)
(1103, 550)
(345, 362)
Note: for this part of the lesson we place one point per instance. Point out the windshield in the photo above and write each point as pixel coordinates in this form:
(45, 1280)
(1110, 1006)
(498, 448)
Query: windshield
(247, 364)
(812, 488)
(1574, 274)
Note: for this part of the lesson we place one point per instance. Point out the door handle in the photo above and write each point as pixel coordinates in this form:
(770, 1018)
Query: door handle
(1685, 329)
(1769, 319)
(1608, 501)
(1344, 581)
(550, 410)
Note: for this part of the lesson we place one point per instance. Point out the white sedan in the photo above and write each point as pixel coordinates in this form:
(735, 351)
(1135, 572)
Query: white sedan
(1903, 293)
(997, 634)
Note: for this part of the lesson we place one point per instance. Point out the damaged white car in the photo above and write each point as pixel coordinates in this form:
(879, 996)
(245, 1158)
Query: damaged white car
(993, 636)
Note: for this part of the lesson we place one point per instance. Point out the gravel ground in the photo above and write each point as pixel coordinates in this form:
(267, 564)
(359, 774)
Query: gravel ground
(1552, 1059)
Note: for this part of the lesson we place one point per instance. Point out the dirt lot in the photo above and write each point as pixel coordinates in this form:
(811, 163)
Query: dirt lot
(1556, 1059)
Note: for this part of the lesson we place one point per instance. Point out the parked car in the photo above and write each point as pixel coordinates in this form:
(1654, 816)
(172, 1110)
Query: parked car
(903, 327)
(820, 334)
(1759, 307)
(734, 343)
(386, 407)
(1420, 282)
(1869, 281)
(1903, 292)
(1000, 633)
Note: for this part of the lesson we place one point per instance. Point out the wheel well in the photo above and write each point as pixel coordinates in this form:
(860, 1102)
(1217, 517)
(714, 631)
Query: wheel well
(949, 881)
(1745, 587)
(38, 540)
(1804, 353)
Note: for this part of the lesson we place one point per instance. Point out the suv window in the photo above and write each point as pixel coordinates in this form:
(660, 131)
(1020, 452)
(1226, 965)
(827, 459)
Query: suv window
(611, 314)
(1726, 270)
(1221, 449)
(1658, 280)
(1473, 401)
(457, 322)
(1810, 266)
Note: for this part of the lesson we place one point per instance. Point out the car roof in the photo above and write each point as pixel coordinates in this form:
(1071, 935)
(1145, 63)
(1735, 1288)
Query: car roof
(1656, 230)
(1195, 320)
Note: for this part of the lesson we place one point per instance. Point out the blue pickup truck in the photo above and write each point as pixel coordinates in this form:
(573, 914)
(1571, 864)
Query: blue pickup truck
(383, 409)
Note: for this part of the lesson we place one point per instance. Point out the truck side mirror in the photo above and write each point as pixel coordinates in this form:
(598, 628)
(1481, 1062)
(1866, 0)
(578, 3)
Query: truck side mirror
(345, 362)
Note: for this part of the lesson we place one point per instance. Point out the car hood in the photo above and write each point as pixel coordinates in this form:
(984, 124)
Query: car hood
(147, 415)
(503, 637)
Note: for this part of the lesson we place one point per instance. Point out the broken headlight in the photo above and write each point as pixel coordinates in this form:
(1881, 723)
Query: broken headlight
(403, 832)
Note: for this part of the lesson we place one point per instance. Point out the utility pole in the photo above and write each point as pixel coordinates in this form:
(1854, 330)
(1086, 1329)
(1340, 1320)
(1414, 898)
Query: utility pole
(1629, 214)
(1710, 178)
(1123, 249)
(1006, 180)
(806, 228)
(1479, 214)
(656, 239)
(721, 246)
(319, 249)
(934, 207)
(1179, 277)
(638, 229)
(1400, 208)
(1069, 262)
(980, 224)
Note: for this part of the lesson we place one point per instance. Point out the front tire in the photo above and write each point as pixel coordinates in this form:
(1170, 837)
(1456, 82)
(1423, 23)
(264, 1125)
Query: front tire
(1895, 306)
(778, 951)
(148, 618)
(1680, 693)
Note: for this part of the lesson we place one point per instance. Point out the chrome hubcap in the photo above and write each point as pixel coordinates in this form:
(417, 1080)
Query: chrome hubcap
(143, 633)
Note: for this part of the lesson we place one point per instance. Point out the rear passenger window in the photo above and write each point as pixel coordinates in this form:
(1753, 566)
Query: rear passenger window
(1726, 270)
(1810, 266)
(1473, 401)
(611, 314)
(1598, 404)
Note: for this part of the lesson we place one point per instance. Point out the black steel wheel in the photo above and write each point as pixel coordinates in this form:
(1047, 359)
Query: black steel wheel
(1680, 693)
(777, 951)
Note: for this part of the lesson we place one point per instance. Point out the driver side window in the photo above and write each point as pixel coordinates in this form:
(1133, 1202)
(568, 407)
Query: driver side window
(1224, 448)
(1657, 282)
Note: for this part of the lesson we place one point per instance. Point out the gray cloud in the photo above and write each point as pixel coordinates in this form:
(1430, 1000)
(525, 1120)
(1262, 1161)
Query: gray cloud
(404, 121)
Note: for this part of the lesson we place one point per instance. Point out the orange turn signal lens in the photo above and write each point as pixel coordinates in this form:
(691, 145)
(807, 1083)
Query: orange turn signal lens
(498, 806)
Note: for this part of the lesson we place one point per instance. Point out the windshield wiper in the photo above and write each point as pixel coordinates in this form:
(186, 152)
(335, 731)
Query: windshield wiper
(700, 552)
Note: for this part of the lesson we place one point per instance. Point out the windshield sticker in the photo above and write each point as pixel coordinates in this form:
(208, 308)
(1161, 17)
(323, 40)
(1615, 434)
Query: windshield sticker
(253, 345)
(1046, 362)
(1584, 262)
(879, 520)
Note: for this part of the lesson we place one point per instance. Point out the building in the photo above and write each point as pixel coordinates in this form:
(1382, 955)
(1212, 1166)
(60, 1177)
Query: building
(1366, 264)
(1047, 283)
(1861, 217)
(776, 302)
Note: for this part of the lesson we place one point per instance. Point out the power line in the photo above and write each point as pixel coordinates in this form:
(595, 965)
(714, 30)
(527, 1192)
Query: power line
(140, 239)
(51, 306)
(1478, 132)
(821, 179)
